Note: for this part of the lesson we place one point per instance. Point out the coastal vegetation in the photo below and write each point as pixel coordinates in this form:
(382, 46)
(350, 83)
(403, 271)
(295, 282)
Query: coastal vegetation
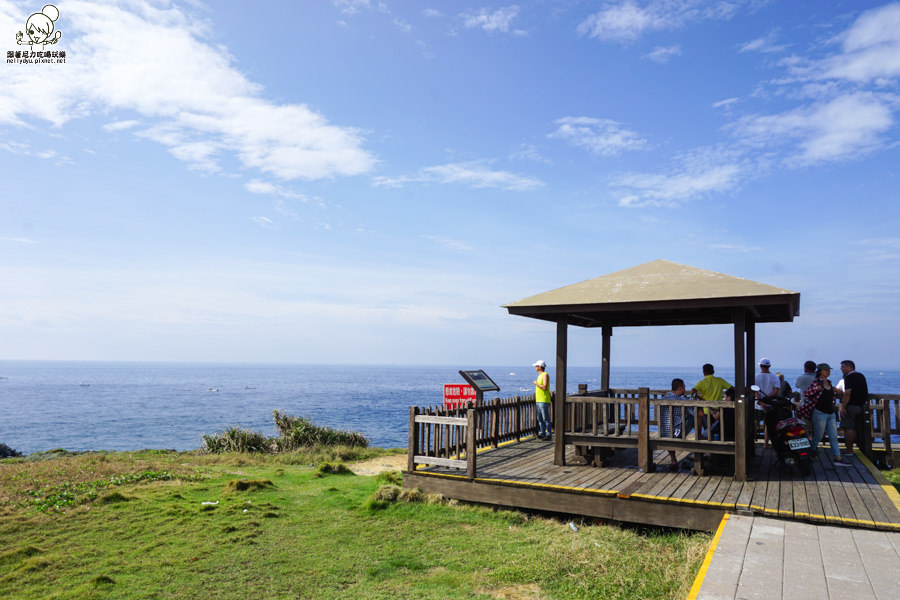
(293, 433)
(300, 524)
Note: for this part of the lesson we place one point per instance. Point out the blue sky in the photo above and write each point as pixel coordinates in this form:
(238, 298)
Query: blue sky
(355, 181)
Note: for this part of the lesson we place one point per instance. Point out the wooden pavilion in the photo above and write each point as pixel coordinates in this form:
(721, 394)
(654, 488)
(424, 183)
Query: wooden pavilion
(662, 293)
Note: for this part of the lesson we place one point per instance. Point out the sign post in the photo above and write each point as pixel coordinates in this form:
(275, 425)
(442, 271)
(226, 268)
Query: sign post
(481, 383)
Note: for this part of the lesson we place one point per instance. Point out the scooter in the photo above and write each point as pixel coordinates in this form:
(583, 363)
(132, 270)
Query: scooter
(790, 438)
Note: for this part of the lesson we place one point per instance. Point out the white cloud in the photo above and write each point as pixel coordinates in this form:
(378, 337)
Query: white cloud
(733, 248)
(257, 186)
(190, 94)
(726, 103)
(17, 240)
(604, 137)
(448, 242)
(663, 54)
(626, 21)
(120, 125)
(871, 47)
(764, 45)
(264, 222)
(697, 174)
(472, 174)
(845, 127)
(492, 20)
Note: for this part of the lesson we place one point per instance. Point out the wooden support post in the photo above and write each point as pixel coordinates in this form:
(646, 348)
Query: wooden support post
(604, 365)
(886, 432)
(740, 438)
(645, 464)
(559, 420)
(413, 447)
(745, 437)
(470, 443)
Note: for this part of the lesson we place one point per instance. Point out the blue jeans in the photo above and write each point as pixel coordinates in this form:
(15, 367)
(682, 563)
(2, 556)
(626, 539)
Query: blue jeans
(543, 416)
(824, 423)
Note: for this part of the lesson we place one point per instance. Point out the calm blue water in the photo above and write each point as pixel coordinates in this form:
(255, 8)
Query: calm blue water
(129, 406)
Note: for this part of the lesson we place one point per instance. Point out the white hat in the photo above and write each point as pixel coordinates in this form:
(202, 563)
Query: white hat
(541, 364)
(765, 362)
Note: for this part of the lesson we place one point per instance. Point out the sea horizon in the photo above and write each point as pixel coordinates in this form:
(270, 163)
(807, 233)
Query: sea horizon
(130, 405)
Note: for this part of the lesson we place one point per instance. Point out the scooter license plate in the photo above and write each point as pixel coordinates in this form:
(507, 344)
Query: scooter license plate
(798, 444)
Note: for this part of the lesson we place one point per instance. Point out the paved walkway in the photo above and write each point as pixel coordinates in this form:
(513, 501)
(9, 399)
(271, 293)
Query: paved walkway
(770, 559)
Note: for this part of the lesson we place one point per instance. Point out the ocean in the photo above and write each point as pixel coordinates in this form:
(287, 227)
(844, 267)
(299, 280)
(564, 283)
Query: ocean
(130, 406)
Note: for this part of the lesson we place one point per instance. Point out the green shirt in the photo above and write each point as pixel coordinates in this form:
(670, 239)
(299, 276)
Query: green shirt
(712, 387)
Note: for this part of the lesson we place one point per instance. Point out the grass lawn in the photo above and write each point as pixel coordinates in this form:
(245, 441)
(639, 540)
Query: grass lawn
(134, 525)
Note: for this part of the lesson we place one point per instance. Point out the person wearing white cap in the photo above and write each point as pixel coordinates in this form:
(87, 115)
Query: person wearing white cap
(768, 385)
(542, 399)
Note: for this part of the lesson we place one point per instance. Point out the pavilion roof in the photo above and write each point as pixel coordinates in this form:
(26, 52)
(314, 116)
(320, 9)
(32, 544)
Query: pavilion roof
(660, 292)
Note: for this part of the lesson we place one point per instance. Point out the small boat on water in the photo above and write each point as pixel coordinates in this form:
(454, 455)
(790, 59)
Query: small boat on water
(83, 384)
(212, 389)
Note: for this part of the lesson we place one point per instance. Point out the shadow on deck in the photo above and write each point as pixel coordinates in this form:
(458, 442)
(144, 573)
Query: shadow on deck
(522, 475)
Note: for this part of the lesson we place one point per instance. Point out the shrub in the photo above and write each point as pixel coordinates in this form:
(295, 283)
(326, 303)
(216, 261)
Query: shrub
(298, 432)
(294, 433)
(327, 468)
(236, 439)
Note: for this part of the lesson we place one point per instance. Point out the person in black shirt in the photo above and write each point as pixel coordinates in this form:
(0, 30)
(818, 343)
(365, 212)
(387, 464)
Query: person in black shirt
(856, 396)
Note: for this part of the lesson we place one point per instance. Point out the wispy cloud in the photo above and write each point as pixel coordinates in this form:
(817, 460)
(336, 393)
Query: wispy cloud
(190, 95)
(492, 20)
(697, 174)
(846, 127)
(604, 137)
(448, 242)
(472, 174)
(871, 47)
(626, 20)
(663, 54)
(17, 240)
(257, 186)
(766, 45)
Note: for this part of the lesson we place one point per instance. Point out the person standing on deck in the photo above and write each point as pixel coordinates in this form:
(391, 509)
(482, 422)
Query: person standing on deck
(542, 400)
(855, 398)
(803, 381)
(820, 394)
(709, 388)
(768, 386)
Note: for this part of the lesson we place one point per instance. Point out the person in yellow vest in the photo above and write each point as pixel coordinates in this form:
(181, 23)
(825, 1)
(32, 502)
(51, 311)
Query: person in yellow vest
(542, 399)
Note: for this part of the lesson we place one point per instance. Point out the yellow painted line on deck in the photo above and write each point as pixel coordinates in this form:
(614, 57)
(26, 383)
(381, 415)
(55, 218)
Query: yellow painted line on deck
(701, 575)
(885, 483)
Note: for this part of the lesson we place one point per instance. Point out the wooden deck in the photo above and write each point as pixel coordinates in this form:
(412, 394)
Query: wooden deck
(522, 475)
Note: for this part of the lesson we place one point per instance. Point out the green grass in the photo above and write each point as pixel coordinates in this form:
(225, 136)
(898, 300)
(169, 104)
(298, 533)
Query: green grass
(281, 528)
(894, 477)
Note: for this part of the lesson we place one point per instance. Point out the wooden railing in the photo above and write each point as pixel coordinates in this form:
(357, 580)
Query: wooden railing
(452, 437)
(630, 418)
(620, 418)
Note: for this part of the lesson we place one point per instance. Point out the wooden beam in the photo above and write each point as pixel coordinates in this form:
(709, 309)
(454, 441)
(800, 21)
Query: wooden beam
(470, 443)
(559, 406)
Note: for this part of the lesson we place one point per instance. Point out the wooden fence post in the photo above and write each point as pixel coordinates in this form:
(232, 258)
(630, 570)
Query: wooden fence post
(645, 464)
(413, 448)
(495, 422)
(470, 444)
